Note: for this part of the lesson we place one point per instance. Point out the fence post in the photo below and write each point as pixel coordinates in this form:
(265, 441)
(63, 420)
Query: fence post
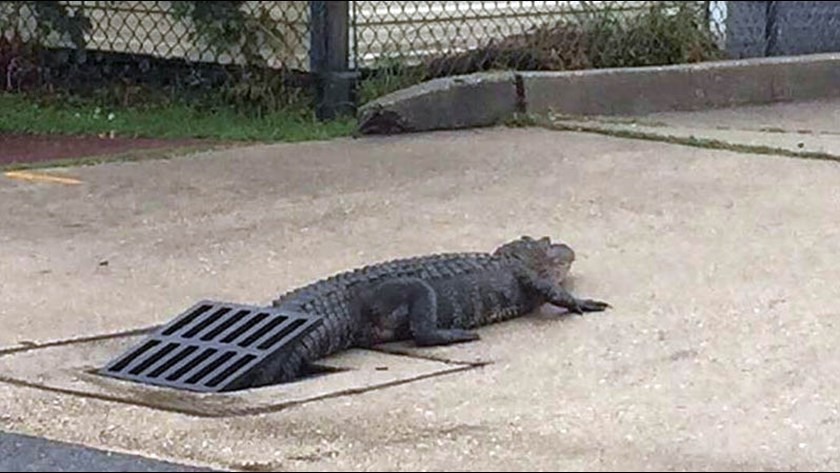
(329, 58)
(746, 28)
(770, 29)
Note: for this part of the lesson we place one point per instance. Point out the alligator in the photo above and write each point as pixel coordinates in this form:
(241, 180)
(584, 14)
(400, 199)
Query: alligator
(433, 300)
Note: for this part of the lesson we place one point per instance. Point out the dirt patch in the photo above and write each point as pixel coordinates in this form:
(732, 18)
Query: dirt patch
(31, 148)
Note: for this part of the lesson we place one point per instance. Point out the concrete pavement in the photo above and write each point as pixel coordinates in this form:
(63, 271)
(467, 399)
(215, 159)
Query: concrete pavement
(719, 353)
(807, 129)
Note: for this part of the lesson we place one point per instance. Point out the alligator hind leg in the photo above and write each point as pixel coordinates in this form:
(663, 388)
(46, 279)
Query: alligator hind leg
(419, 301)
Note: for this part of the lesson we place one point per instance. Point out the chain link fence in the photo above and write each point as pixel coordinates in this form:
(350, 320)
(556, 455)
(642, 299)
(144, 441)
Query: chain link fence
(545, 35)
(407, 41)
(219, 32)
(248, 52)
(278, 54)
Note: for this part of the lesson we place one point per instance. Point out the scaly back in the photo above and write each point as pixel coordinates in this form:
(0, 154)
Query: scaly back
(428, 267)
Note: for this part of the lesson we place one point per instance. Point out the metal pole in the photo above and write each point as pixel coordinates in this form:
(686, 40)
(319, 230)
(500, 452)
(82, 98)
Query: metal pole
(329, 56)
(770, 29)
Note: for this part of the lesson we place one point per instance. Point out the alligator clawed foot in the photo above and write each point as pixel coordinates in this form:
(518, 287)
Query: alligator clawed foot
(590, 305)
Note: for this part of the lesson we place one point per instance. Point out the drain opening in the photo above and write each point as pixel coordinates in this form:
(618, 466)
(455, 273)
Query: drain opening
(192, 363)
(244, 328)
(230, 370)
(171, 362)
(199, 327)
(153, 359)
(211, 347)
(184, 321)
(120, 365)
(226, 324)
(259, 333)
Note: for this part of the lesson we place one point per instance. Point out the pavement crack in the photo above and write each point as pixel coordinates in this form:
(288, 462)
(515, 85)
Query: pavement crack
(707, 143)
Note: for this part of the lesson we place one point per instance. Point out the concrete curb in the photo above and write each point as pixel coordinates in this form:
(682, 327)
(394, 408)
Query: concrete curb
(447, 103)
(484, 99)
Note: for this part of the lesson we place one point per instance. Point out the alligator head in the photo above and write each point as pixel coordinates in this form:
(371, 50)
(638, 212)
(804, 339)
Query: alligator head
(549, 260)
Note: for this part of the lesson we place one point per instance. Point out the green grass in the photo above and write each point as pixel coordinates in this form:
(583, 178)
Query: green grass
(24, 114)
(388, 77)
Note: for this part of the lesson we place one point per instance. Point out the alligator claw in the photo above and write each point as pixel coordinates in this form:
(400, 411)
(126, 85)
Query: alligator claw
(589, 305)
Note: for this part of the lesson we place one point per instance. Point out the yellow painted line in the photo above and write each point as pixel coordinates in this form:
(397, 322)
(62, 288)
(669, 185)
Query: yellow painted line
(40, 176)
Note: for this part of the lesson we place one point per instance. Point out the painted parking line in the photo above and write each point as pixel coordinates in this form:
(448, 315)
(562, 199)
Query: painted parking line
(41, 177)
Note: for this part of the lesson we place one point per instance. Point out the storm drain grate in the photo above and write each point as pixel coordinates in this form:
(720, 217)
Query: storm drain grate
(211, 346)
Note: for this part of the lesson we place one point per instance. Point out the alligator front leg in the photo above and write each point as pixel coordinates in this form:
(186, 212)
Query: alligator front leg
(559, 296)
(418, 299)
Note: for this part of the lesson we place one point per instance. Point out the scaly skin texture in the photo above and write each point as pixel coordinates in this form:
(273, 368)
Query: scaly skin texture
(434, 300)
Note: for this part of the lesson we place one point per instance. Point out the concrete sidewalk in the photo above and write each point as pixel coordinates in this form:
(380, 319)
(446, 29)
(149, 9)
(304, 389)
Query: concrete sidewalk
(719, 353)
(806, 129)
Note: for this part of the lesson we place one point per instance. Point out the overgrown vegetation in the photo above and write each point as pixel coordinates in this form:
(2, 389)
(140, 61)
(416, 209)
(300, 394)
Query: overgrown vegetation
(600, 36)
(388, 75)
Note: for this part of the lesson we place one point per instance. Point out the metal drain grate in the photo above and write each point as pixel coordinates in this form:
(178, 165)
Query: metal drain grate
(211, 346)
